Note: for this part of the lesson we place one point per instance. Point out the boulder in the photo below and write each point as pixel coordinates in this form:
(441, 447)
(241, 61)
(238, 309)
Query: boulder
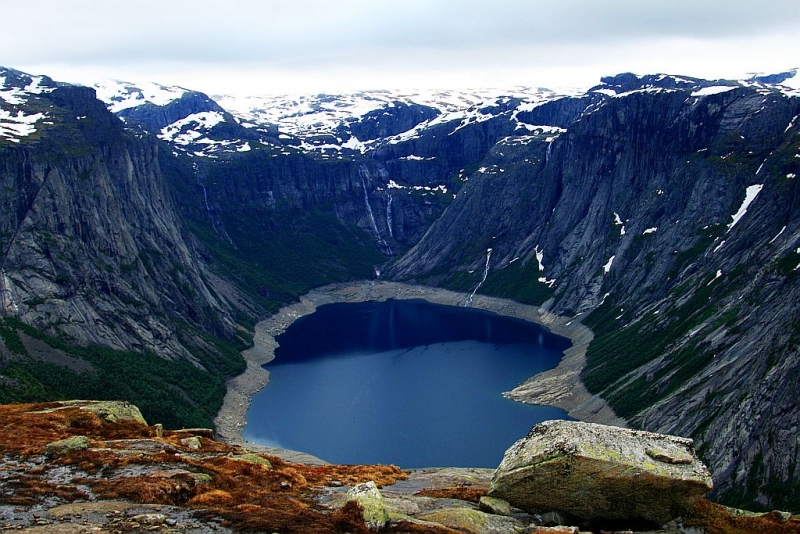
(601, 475)
(252, 459)
(112, 411)
(493, 505)
(66, 446)
(372, 504)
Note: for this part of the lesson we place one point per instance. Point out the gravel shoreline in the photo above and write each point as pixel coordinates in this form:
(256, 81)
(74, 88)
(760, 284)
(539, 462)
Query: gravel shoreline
(560, 386)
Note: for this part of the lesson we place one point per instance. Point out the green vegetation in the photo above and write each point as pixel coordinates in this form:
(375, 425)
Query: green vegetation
(783, 495)
(280, 260)
(280, 251)
(617, 351)
(518, 281)
(174, 393)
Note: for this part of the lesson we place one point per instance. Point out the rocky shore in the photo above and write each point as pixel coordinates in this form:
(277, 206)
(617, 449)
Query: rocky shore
(560, 387)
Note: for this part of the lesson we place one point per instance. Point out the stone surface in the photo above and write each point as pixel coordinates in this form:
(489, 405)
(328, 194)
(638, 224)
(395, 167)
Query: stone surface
(66, 446)
(192, 442)
(596, 474)
(472, 521)
(493, 505)
(373, 504)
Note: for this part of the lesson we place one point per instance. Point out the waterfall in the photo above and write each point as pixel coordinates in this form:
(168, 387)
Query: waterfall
(549, 150)
(381, 241)
(485, 274)
(389, 215)
(208, 207)
(7, 296)
(369, 212)
(217, 225)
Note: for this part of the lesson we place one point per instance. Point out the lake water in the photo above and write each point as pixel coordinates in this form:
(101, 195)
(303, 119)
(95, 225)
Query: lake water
(402, 382)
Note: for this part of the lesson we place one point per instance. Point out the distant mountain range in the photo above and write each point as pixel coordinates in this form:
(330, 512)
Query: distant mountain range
(661, 211)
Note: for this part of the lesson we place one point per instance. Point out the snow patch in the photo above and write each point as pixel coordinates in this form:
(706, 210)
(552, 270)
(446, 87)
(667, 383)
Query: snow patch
(650, 230)
(14, 126)
(120, 95)
(206, 120)
(609, 263)
(750, 195)
(771, 241)
(416, 158)
(618, 222)
(713, 90)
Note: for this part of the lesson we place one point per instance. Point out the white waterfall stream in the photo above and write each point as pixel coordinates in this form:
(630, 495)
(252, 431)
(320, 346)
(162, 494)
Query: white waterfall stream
(372, 222)
(6, 295)
(389, 215)
(485, 274)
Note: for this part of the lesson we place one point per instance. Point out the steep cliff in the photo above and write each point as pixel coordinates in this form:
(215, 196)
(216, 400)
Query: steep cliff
(668, 214)
(92, 247)
(93, 251)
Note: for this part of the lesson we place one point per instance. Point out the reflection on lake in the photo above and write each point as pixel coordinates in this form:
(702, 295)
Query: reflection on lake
(408, 383)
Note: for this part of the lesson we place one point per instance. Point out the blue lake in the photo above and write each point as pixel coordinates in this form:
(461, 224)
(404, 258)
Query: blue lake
(402, 382)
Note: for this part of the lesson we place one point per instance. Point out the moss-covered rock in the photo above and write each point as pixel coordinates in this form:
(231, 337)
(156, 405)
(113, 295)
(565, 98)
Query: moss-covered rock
(596, 474)
(66, 446)
(471, 521)
(371, 500)
(253, 459)
(112, 411)
(192, 443)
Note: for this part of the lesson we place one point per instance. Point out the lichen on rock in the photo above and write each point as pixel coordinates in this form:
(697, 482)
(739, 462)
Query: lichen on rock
(372, 503)
(66, 446)
(596, 474)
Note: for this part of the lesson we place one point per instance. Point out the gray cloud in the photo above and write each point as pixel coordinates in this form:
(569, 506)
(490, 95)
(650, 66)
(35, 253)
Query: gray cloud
(415, 35)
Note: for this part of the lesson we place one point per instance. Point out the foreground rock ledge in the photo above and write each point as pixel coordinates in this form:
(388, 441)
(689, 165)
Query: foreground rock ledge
(602, 475)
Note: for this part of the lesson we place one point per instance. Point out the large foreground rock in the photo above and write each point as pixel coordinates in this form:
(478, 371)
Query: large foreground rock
(598, 474)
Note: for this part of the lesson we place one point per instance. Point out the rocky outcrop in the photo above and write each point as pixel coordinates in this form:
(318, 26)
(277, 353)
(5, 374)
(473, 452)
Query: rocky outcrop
(602, 476)
(392, 119)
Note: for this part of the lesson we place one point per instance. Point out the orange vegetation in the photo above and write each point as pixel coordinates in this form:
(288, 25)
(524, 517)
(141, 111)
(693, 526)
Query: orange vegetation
(245, 495)
(717, 519)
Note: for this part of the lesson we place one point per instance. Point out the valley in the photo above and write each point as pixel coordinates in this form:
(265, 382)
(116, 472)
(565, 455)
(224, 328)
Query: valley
(656, 217)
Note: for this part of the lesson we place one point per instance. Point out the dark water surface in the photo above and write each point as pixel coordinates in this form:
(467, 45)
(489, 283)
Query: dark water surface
(405, 382)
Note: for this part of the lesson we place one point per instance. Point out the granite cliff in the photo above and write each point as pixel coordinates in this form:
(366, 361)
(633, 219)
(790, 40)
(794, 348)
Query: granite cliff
(666, 216)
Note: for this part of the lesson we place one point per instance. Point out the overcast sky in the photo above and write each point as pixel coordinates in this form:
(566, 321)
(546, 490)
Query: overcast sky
(309, 46)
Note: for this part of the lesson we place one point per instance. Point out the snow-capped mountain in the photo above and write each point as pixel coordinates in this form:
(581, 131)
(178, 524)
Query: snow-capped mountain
(188, 120)
(329, 126)
(22, 113)
(340, 126)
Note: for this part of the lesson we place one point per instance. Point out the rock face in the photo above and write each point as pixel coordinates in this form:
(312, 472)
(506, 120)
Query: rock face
(665, 218)
(93, 250)
(601, 475)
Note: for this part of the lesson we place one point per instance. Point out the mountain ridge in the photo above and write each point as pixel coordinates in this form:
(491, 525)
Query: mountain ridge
(659, 210)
